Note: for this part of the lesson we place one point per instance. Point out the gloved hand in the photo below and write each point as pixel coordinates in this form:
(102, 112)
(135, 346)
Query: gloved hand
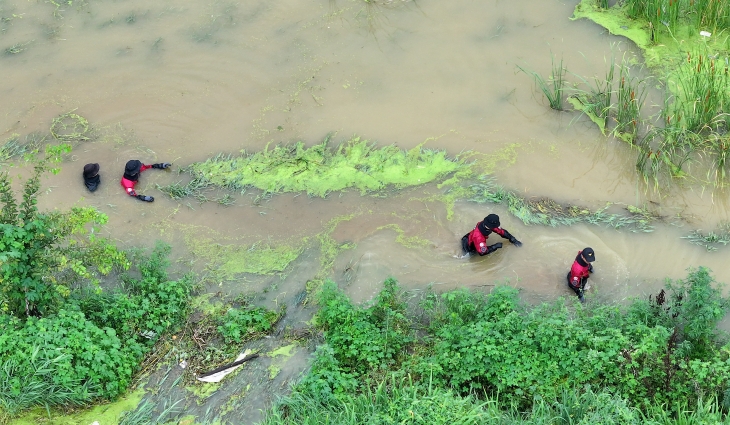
(590, 268)
(515, 241)
(162, 165)
(145, 198)
(492, 248)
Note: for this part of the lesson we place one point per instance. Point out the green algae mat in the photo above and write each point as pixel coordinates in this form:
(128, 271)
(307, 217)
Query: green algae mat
(320, 170)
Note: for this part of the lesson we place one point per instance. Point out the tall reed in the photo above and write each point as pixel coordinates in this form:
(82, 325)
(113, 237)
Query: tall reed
(707, 15)
(664, 152)
(554, 86)
(711, 15)
(596, 100)
(719, 150)
(630, 98)
(702, 97)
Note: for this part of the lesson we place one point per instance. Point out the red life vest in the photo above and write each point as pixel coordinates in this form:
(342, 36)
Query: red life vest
(479, 241)
(578, 273)
(128, 184)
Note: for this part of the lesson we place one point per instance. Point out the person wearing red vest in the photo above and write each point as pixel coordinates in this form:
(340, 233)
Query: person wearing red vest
(131, 175)
(580, 271)
(476, 240)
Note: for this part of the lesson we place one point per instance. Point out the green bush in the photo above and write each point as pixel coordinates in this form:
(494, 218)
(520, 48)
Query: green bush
(660, 351)
(43, 255)
(74, 354)
(239, 325)
(147, 307)
(326, 379)
(93, 345)
(656, 361)
(364, 339)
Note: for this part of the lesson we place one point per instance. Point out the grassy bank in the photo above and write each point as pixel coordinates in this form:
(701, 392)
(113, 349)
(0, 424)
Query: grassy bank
(685, 45)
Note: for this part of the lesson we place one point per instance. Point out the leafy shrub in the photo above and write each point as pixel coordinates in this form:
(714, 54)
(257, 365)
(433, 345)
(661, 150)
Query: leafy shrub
(697, 305)
(240, 324)
(65, 351)
(661, 351)
(42, 255)
(149, 306)
(364, 339)
(92, 346)
(326, 379)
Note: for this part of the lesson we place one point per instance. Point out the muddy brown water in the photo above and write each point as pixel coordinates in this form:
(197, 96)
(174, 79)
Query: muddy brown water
(180, 82)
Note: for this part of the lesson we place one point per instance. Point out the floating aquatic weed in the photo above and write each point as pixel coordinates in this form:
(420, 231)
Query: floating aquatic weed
(548, 212)
(194, 188)
(16, 48)
(321, 169)
(13, 147)
(712, 240)
(70, 127)
(406, 241)
(329, 250)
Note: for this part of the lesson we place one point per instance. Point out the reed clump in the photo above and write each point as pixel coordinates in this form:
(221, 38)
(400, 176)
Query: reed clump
(668, 16)
(552, 87)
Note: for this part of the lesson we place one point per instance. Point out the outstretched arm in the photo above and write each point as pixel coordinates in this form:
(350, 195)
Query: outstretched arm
(507, 235)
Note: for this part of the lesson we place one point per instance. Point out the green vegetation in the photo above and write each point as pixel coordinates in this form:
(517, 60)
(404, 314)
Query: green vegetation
(684, 45)
(238, 325)
(548, 212)
(213, 334)
(14, 148)
(552, 88)
(64, 341)
(319, 170)
(70, 128)
(713, 239)
(42, 255)
(492, 359)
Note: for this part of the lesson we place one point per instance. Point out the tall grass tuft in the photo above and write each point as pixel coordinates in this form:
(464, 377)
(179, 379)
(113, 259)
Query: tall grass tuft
(630, 97)
(33, 384)
(596, 101)
(708, 15)
(719, 147)
(711, 15)
(553, 87)
(702, 96)
(14, 147)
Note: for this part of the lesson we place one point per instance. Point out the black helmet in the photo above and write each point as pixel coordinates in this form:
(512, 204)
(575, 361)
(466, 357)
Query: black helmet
(491, 221)
(133, 166)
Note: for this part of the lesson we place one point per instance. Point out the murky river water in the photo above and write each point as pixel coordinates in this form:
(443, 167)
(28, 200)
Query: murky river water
(182, 81)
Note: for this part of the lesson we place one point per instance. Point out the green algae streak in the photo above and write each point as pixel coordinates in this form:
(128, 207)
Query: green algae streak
(105, 414)
(319, 170)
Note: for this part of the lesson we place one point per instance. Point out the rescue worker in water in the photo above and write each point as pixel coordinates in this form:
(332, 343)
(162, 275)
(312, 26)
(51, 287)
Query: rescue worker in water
(580, 271)
(476, 240)
(91, 177)
(131, 175)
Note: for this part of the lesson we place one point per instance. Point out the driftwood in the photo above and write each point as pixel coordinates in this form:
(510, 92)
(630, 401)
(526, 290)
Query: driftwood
(218, 373)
